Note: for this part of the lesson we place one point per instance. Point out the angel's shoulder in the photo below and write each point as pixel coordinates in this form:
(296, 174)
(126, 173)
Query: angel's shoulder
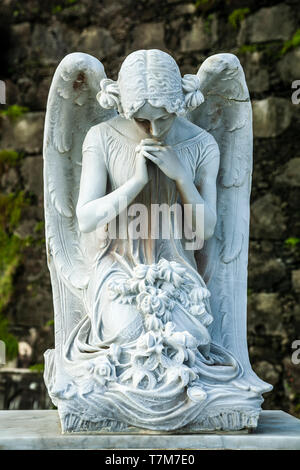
(188, 132)
(191, 134)
(97, 134)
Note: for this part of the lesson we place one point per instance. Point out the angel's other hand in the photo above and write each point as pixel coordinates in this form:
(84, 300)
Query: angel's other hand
(165, 158)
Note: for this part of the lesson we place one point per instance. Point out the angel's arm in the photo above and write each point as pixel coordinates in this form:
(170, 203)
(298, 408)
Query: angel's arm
(202, 191)
(95, 208)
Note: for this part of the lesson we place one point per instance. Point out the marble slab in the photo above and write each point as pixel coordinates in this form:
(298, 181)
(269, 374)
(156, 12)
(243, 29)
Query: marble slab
(40, 430)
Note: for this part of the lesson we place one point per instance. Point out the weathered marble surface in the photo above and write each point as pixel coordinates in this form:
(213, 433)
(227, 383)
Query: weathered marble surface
(40, 430)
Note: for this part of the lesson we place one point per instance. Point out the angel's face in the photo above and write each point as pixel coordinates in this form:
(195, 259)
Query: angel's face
(154, 122)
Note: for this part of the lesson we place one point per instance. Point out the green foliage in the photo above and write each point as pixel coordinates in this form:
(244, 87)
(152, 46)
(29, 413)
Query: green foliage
(11, 206)
(294, 42)
(292, 241)
(11, 247)
(297, 405)
(39, 227)
(37, 368)
(11, 342)
(200, 3)
(50, 323)
(15, 111)
(207, 23)
(247, 48)
(237, 16)
(10, 259)
(57, 9)
(9, 157)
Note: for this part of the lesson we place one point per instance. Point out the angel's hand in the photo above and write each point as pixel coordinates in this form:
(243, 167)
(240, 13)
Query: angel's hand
(141, 172)
(165, 158)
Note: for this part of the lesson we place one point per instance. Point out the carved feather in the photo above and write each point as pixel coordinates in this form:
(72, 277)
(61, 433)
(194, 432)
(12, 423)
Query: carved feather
(71, 110)
(227, 115)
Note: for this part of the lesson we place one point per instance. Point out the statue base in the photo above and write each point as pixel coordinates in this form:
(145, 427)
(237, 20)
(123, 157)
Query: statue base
(226, 421)
(41, 430)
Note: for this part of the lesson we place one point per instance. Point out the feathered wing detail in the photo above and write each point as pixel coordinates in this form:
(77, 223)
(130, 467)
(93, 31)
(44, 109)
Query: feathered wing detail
(72, 109)
(226, 113)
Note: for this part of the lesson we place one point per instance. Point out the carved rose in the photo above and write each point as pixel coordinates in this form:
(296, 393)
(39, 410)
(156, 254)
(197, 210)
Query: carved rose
(152, 301)
(104, 371)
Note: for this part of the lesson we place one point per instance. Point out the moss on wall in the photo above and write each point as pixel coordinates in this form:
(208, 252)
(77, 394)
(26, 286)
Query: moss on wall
(14, 111)
(293, 42)
(11, 247)
(237, 16)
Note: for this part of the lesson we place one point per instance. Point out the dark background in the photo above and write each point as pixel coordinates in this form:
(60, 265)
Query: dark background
(35, 36)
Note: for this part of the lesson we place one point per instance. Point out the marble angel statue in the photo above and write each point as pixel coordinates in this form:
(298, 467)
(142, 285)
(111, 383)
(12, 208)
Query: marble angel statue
(149, 332)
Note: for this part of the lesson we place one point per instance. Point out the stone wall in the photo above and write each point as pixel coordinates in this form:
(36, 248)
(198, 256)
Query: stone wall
(265, 37)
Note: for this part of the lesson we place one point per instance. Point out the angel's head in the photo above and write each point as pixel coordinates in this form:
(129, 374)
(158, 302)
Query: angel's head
(151, 79)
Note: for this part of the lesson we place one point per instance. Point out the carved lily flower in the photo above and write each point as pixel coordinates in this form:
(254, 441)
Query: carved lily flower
(182, 297)
(136, 285)
(140, 377)
(200, 311)
(115, 352)
(168, 288)
(66, 392)
(179, 338)
(147, 272)
(171, 272)
(197, 309)
(197, 294)
(149, 350)
(118, 287)
(153, 323)
(182, 373)
(149, 343)
(182, 345)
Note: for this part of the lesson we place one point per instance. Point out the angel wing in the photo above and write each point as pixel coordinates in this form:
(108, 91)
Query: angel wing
(226, 113)
(72, 109)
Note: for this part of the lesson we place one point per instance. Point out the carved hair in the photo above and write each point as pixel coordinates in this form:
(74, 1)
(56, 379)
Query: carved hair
(151, 76)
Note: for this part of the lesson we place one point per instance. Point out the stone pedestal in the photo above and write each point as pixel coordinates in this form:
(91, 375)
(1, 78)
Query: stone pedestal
(40, 430)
